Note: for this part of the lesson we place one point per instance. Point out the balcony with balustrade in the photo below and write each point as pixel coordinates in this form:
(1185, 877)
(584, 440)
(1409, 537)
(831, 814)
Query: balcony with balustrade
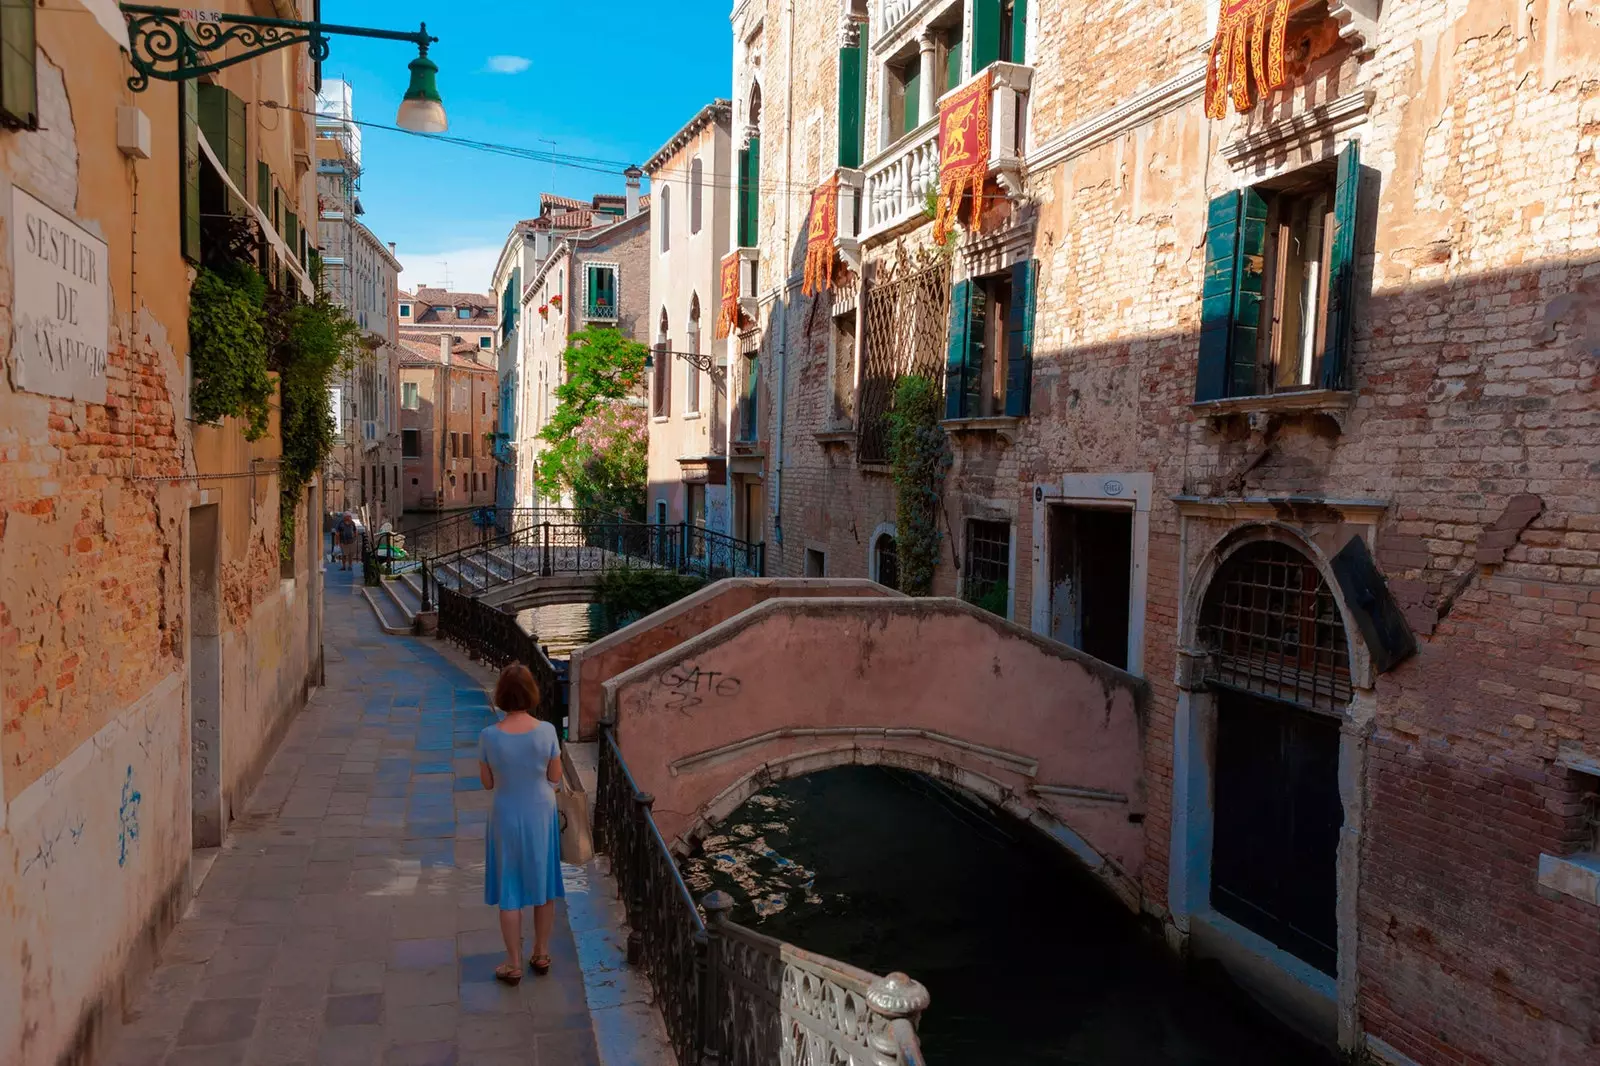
(895, 185)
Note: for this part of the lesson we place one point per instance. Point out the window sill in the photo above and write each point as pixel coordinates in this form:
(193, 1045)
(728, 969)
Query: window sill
(1003, 426)
(691, 416)
(1333, 404)
(885, 469)
(1577, 876)
(842, 437)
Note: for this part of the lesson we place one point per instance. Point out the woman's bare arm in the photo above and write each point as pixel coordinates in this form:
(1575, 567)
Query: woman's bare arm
(553, 771)
(486, 775)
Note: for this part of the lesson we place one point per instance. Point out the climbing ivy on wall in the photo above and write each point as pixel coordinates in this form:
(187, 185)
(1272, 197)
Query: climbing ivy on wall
(228, 347)
(633, 592)
(920, 456)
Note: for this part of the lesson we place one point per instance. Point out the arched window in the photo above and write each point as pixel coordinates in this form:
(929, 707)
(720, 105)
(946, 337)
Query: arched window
(666, 216)
(1279, 672)
(886, 561)
(696, 177)
(661, 387)
(691, 395)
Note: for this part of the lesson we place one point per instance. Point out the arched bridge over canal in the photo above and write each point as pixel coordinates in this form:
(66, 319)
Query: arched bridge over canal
(797, 683)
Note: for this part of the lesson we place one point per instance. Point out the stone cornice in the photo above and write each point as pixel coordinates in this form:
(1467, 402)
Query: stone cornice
(1307, 129)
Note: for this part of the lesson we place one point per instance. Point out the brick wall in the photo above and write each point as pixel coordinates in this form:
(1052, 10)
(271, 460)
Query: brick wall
(1475, 375)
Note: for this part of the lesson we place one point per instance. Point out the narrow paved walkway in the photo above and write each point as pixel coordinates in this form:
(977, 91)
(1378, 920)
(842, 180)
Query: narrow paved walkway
(343, 922)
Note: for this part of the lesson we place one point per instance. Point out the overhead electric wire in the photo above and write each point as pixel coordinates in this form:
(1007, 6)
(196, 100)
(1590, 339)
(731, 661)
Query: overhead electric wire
(577, 162)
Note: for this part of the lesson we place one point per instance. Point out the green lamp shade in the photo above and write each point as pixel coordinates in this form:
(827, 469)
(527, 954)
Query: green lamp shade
(421, 111)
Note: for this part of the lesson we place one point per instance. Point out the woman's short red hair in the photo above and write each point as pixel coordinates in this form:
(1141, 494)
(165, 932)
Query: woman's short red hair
(516, 690)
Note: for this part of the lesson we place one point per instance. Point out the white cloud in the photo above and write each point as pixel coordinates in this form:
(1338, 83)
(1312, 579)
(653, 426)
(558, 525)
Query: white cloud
(508, 64)
(467, 269)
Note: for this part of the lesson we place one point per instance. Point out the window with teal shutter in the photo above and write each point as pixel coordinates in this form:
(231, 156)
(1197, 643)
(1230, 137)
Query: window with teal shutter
(913, 94)
(749, 198)
(952, 60)
(1015, 48)
(1019, 345)
(852, 103)
(955, 367)
(1277, 300)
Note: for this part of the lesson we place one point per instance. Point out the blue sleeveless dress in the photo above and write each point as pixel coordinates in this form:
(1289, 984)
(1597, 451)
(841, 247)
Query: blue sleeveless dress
(522, 862)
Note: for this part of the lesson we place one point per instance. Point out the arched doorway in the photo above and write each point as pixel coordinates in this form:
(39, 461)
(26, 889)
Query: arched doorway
(1278, 666)
(886, 559)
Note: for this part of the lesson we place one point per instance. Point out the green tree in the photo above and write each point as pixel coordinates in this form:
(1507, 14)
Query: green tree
(597, 437)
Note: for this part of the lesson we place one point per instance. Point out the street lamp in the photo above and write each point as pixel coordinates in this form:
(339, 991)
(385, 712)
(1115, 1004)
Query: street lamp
(173, 44)
(421, 111)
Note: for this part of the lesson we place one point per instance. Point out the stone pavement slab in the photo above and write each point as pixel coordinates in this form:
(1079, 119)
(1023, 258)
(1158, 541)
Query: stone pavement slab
(343, 920)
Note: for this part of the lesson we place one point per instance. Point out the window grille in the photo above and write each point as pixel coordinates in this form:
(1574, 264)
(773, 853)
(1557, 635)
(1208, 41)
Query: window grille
(987, 577)
(906, 308)
(1274, 629)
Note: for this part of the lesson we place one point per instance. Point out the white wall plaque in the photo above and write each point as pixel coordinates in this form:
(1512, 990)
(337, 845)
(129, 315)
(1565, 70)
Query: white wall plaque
(63, 304)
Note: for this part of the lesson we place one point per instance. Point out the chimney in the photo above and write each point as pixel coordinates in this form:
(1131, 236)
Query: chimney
(633, 174)
(446, 342)
(391, 248)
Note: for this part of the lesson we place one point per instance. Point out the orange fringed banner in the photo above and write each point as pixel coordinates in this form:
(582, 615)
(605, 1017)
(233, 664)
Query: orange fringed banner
(963, 152)
(1259, 26)
(728, 316)
(819, 237)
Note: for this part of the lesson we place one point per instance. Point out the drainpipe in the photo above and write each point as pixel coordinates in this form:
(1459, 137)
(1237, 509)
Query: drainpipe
(782, 303)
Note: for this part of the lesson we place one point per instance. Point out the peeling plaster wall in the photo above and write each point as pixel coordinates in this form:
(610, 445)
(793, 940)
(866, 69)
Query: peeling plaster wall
(95, 788)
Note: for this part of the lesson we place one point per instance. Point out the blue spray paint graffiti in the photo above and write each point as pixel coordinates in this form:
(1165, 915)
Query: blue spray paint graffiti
(128, 817)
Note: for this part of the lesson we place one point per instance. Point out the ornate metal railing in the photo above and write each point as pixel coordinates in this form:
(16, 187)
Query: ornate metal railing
(729, 994)
(494, 636)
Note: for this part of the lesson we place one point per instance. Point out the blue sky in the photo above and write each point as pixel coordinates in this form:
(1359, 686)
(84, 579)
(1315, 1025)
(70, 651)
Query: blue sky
(609, 80)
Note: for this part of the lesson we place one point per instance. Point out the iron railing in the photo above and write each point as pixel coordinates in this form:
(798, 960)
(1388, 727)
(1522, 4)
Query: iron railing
(494, 636)
(589, 546)
(728, 994)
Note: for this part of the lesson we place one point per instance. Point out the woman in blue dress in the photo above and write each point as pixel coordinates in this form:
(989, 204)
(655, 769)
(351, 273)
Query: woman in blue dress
(520, 760)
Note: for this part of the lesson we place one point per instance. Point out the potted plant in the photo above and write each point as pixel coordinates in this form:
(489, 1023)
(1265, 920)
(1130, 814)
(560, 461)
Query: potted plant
(555, 301)
(544, 310)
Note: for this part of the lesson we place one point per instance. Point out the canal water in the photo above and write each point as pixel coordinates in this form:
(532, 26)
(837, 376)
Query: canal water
(1028, 959)
(562, 627)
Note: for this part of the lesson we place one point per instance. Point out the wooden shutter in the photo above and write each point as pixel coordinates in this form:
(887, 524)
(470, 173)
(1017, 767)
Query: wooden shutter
(19, 86)
(222, 122)
(189, 170)
(850, 110)
(1230, 306)
(238, 166)
(1248, 279)
(264, 188)
(914, 76)
(1019, 345)
(1342, 271)
(985, 33)
(749, 189)
(955, 367)
(1019, 32)
(952, 59)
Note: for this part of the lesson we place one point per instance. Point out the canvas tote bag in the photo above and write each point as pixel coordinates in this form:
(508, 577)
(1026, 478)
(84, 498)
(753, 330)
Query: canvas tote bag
(572, 803)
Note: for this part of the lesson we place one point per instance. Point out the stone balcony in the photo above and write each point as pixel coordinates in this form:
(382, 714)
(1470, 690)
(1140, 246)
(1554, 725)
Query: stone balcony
(895, 183)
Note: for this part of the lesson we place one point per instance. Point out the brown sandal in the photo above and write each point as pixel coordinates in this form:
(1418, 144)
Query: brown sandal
(540, 964)
(505, 973)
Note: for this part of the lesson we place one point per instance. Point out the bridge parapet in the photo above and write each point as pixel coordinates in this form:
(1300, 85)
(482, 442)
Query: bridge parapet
(672, 625)
(791, 686)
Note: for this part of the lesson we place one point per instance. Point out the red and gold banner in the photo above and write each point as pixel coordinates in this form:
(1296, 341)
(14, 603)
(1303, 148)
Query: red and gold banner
(1258, 26)
(728, 316)
(819, 237)
(963, 152)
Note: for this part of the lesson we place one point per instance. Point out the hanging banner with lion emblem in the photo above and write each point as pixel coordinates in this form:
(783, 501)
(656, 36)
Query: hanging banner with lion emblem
(728, 316)
(963, 152)
(1249, 40)
(819, 237)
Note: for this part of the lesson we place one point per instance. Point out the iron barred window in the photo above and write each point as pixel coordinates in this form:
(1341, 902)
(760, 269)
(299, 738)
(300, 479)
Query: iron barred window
(907, 304)
(986, 580)
(1273, 628)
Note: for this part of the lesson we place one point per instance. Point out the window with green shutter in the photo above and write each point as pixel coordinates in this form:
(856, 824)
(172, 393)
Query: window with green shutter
(999, 32)
(600, 292)
(1279, 285)
(264, 188)
(222, 116)
(852, 101)
(19, 86)
(952, 60)
(749, 194)
(189, 170)
(989, 362)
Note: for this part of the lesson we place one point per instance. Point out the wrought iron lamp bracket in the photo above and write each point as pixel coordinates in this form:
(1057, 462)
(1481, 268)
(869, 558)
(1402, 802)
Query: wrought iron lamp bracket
(703, 362)
(170, 44)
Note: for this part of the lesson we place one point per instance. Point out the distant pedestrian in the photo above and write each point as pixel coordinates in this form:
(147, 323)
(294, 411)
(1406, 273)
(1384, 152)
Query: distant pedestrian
(347, 540)
(520, 760)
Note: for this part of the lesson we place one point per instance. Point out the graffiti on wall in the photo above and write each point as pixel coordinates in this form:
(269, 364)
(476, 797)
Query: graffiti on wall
(128, 818)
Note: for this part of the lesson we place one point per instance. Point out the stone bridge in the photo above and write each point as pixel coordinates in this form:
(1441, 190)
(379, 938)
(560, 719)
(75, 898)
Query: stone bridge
(793, 685)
